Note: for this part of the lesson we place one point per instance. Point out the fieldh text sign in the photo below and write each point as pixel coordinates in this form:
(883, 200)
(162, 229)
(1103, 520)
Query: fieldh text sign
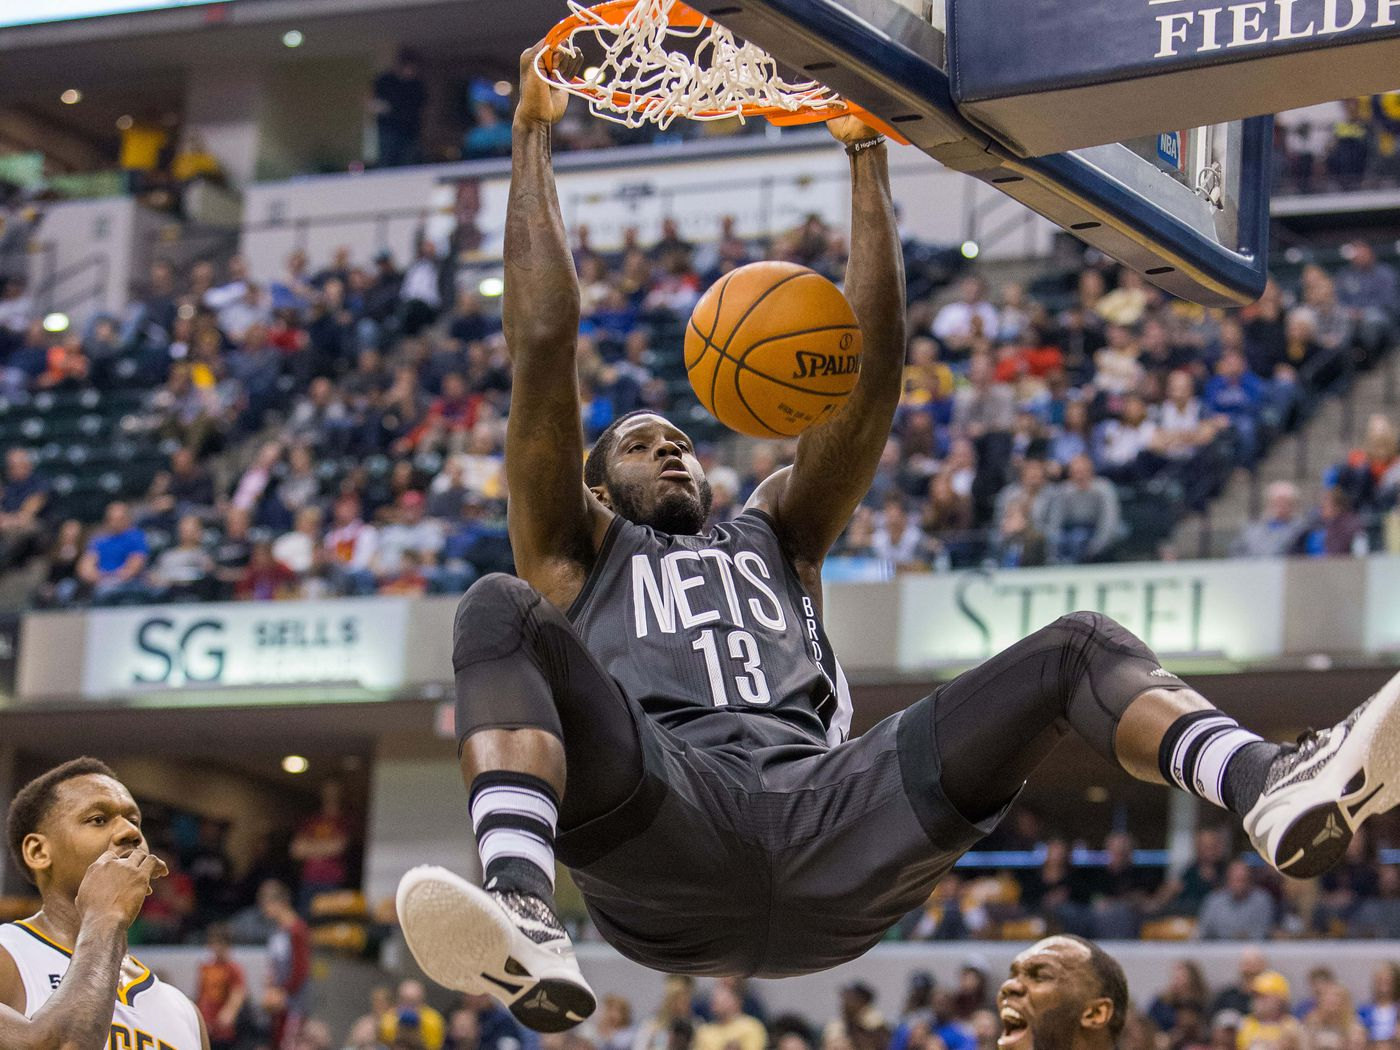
(1048, 76)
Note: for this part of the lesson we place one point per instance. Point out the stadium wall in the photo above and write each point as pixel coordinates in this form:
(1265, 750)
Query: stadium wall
(86, 255)
(1204, 616)
(769, 186)
(417, 816)
(179, 966)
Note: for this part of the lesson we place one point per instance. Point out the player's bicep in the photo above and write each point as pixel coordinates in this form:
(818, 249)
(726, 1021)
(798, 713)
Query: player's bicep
(549, 507)
(791, 520)
(813, 500)
(17, 1032)
(11, 987)
(768, 496)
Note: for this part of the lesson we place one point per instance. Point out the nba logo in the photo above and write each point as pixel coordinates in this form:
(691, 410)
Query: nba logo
(1169, 148)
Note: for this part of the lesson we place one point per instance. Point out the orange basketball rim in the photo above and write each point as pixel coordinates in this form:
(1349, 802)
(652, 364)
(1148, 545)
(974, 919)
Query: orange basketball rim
(634, 99)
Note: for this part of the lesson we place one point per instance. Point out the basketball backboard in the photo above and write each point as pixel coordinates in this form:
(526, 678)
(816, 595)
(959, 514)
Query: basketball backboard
(1187, 208)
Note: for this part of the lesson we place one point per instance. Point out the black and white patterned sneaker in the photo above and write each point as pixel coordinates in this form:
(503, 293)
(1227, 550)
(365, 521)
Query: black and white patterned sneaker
(1319, 792)
(501, 943)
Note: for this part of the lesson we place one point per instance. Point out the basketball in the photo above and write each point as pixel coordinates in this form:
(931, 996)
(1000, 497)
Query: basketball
(772, 349)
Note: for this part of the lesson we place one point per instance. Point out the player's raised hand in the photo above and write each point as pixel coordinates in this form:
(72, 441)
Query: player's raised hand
(850, 129)
(115, 887)
(539, 101)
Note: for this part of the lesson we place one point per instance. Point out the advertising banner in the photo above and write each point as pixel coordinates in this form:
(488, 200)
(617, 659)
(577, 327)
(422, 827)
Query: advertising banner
(1383, 604)
(343, 642)
(1230, 609)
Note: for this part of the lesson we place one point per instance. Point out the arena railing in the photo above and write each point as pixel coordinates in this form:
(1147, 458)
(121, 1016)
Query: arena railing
(53, 293)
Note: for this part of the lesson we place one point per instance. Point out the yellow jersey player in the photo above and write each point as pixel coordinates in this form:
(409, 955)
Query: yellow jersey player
(66, 980)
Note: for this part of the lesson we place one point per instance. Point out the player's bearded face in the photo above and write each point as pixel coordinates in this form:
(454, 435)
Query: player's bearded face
(673, 509)
(1041, 1005)
(1055, 1028)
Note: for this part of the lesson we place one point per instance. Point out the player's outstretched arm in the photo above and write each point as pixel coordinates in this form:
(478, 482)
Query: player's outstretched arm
(552, 515)
(78, 1016)
(813, 500)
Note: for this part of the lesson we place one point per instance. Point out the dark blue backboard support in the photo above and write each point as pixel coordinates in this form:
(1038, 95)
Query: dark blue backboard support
(888, 60)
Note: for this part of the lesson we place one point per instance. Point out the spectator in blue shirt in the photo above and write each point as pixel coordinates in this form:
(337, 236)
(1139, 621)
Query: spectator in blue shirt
(23, 496)
(1074, 437)
(257, 366)
(497, 1029)
(1237, 393)
(1370, 292)
(1369, 475)
(117, 556)
(1334, 528)
(613, 319)
(489, 137)
(294, 291)
(1381, 1015)
(1277, 533)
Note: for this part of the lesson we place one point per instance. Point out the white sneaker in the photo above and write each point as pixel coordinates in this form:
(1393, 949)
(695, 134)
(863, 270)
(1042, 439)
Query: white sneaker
(1318, 793)
(504, 944)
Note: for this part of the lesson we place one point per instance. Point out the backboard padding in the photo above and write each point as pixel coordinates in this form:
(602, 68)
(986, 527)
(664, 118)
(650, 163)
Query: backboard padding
(892, 61)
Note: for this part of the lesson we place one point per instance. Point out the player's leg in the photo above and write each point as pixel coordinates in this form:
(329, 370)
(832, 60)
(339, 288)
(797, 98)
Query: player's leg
(993, 725)
(540, 727)
(546, 740)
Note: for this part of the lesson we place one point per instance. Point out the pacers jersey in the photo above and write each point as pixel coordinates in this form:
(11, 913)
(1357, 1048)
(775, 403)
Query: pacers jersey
(693, 625)
(149, 1015)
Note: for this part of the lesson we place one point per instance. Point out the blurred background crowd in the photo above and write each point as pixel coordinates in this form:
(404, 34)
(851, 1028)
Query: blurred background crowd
(1022, 882)
(339, 429)
(1258, 1009)
(423, 113)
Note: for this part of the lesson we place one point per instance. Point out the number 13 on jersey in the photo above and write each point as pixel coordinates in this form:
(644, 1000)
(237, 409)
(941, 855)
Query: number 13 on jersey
(742, 647)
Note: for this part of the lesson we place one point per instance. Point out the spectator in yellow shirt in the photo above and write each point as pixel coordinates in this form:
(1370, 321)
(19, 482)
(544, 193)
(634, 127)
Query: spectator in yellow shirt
(1269, 1025)
(411, 1012)
(194, 161)
(926, 378)
(731, 1027)
(141, 145)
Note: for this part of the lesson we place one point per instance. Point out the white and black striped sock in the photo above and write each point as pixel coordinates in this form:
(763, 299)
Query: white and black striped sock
(1209, 755)
(515, 816)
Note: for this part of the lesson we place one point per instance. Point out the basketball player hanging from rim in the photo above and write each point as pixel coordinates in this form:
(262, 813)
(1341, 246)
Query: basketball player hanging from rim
(722, 824)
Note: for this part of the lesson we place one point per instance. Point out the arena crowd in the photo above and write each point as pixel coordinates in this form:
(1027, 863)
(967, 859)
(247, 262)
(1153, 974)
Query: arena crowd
(339, 429)
(1259, 1009)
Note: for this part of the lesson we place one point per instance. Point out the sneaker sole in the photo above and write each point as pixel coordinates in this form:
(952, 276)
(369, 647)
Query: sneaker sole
(1317, 840)
(464, 940)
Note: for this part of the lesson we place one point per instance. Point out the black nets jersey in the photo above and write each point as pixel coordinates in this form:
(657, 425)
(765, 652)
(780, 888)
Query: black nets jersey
(692, 625)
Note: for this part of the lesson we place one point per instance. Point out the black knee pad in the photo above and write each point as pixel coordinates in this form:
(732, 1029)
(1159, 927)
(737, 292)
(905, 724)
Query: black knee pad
(1091, 634)
(1105, 668)
(502, 670)
(494, 619)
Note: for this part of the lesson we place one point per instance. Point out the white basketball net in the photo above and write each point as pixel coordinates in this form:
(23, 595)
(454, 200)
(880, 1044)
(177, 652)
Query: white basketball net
(640, 80)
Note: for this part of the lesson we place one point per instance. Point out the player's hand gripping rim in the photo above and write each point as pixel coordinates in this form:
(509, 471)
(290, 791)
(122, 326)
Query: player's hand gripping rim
(541, 102)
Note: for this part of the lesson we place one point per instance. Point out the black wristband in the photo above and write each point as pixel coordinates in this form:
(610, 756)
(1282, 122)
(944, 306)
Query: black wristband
(857, 148)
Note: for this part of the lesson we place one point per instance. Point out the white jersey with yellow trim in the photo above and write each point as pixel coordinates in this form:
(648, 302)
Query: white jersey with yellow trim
(149, 1015)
